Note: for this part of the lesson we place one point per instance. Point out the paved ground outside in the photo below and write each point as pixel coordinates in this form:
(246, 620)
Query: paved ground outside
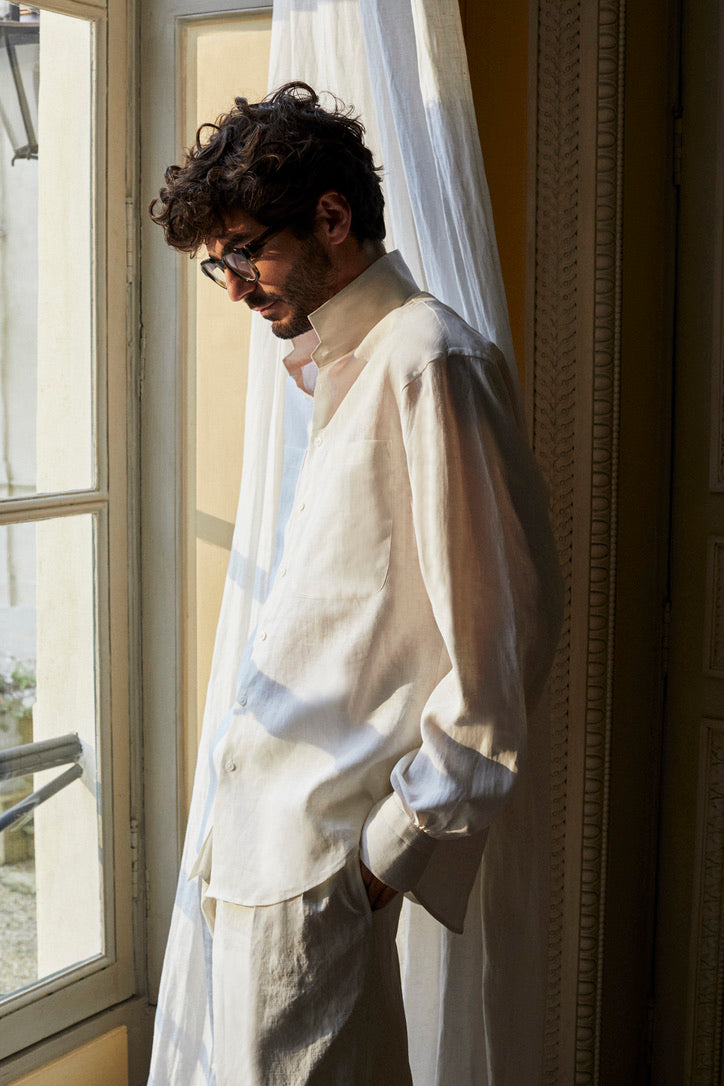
(18, 942)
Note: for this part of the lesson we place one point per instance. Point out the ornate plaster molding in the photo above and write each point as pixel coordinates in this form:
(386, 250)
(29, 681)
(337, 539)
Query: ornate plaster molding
(554, 414)
(576, 364)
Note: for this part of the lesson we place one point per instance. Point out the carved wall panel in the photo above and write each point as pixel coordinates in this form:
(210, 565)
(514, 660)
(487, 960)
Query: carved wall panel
(716, 460)
(714, 649)
(708, 1000)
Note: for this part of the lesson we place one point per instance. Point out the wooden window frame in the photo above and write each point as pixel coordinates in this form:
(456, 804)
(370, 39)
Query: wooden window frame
(50, 1018)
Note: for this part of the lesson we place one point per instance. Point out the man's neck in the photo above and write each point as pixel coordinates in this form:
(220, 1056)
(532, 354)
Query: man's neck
(353, 257)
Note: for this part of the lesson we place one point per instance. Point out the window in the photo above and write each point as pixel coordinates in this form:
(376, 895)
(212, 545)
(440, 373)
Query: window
(65, 865)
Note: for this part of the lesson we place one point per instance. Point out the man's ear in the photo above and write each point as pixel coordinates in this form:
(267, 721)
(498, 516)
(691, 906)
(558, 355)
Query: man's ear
(334, 217)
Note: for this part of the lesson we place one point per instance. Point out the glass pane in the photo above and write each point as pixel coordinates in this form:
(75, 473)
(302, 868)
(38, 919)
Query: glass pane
(46, 284)
(50, 875)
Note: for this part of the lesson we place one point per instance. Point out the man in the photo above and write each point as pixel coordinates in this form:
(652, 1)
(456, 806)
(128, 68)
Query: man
(381, 705)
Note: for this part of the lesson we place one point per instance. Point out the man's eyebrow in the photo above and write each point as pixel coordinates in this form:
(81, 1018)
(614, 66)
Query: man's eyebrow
(237, 238)
(234, 240)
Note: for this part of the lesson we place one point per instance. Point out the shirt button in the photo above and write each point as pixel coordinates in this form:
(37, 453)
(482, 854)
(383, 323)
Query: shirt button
(230, 766)
(283, 571)
(302, 507)
(242, 700)
(318, 441)
(262, 637)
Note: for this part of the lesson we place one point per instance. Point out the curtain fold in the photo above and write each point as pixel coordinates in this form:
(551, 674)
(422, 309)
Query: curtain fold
(473, 1001)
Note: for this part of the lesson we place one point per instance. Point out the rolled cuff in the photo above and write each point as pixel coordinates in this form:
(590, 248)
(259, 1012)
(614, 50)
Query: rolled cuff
(395, 851)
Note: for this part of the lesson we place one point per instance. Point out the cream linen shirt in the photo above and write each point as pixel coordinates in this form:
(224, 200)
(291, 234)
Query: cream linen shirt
(382, 701)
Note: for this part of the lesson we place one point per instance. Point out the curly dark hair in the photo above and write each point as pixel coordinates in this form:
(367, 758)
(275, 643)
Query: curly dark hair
(271, 160)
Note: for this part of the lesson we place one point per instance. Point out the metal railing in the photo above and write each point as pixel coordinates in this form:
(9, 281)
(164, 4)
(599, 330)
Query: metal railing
(32, 758)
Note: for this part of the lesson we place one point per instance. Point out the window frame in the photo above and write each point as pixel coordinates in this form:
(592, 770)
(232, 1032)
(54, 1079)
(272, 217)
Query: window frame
(44, 1010)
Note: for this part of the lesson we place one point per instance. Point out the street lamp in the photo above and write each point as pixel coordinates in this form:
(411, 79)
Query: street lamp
(19, 67)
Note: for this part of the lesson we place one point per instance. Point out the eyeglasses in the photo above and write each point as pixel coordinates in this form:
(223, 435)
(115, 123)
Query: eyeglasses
(239, 260)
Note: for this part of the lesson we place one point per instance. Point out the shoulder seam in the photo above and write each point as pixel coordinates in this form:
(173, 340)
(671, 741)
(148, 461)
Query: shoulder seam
(456, 352)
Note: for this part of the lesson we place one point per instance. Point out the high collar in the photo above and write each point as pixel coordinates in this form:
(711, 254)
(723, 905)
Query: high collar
(343, 322)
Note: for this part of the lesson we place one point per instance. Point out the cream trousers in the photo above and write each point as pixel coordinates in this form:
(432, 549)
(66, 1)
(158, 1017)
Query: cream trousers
(307, 992)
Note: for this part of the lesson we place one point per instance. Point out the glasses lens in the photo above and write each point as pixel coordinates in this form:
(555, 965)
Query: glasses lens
(240, 266)
(214, 271)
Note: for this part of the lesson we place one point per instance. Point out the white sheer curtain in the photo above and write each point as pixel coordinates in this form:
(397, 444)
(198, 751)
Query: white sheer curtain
(473, 1001)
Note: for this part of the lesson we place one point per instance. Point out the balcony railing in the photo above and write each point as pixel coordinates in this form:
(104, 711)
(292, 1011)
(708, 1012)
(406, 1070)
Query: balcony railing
(32, 758)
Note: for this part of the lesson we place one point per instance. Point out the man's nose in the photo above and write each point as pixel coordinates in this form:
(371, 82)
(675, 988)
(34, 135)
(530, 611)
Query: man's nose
(236, 287)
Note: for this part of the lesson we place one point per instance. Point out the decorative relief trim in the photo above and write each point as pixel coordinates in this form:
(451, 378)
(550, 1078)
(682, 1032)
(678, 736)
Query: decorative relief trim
(554, 415)
(714, 648)
(708, 1005)
(561, 363)
(602, 561)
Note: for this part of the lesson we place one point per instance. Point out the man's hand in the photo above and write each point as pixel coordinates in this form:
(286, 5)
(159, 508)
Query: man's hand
(379, 893)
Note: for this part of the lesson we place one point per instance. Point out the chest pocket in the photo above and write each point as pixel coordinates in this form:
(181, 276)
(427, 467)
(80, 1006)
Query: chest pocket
(345, 542)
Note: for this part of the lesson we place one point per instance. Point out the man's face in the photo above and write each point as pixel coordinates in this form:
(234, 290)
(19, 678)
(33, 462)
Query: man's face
(295, 275)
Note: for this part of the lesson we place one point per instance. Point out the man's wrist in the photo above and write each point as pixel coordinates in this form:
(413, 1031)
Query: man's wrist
(378, 892)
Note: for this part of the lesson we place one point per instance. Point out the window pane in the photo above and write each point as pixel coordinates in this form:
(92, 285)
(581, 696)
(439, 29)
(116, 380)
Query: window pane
(46, 273)
(50, 875)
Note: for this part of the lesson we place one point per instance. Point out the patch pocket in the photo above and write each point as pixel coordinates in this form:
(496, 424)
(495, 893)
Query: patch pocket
(353, 523)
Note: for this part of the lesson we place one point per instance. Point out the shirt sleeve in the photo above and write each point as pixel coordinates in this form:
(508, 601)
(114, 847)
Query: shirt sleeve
(492, 576)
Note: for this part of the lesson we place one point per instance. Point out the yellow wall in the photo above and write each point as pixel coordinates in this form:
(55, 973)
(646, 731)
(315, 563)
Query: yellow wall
(102, 1062)
(496, 37)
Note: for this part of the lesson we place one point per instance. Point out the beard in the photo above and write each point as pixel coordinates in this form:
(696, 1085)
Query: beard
(308, 285)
